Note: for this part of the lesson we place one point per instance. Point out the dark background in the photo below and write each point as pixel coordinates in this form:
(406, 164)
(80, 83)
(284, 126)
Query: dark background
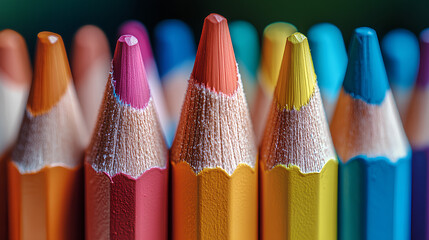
(29, 17)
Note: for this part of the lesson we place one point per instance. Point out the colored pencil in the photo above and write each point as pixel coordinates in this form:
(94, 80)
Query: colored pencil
(15, 79)
(400, 49)
(416, 127)
(375, 170)
(213, 156)
(90, 66)
(175, 49)
(273, 45)
(126, 171)
(138, 30)
(45, 171)
(245, 40)
(298, 164)
(330, 62)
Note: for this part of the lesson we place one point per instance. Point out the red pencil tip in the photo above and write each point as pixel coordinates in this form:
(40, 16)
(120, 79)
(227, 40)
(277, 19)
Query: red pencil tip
(129, 74)
(215, 65)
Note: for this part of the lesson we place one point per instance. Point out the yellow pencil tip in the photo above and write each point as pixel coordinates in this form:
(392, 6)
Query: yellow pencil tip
(297, 79)
(273, 45)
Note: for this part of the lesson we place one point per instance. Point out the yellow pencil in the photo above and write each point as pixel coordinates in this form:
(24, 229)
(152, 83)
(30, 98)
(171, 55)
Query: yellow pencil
(298, 165)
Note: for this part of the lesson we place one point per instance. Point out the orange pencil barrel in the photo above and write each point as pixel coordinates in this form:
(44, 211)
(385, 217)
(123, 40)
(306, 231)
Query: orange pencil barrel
(44, 203)
(216, 205)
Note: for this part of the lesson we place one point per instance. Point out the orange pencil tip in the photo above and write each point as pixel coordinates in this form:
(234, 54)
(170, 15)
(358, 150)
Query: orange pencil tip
(14, 59)
(51, 73)
(215, 65)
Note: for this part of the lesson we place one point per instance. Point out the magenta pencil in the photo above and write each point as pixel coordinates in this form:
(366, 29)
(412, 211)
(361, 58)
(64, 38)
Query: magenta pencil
(126, 165)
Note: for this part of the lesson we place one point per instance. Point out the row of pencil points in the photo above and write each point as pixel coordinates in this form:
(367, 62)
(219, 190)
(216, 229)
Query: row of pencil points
(213, 159)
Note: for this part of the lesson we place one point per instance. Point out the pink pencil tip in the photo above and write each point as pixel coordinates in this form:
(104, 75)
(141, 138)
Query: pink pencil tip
(129, 74)
(138, 30)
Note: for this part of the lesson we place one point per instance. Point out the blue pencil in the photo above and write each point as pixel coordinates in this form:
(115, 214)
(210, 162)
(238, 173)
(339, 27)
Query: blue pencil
(400, 49)
(375, 167)
(175, 51)
(330, 62)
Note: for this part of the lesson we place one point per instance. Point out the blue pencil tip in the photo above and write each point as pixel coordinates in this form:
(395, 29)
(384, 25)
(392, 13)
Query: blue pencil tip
(366, 77)
(329, 57)
(400, 49)
(245, 40)
(175, 44)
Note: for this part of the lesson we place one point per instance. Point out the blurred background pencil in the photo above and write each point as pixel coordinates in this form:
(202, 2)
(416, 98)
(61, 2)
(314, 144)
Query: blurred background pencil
(375, 170)
(15, 79)
(45, 171)
(213, 156)
(138, 30)
(90, 66)
(273, 45)
(400, 49)
(417, 129)
(298, 164)
(245, 40)
(330, 62)
(175, 51)
(126, 174)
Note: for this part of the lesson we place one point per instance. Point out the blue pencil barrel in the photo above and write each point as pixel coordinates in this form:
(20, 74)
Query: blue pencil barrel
(374, 198)
(419, 209)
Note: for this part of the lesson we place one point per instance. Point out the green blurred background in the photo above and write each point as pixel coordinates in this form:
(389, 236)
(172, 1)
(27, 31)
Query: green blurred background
(64, 17)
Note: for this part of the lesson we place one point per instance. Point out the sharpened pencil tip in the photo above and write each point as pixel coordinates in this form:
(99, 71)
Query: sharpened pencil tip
(51, 73)
(297, 79)
(366, 77)
(138, 30)
(129, 74)
(215, 66)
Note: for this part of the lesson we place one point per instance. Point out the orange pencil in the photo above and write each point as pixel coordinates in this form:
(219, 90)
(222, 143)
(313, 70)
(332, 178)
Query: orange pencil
(213, 156)
(45, 172)
(90, 66)
(15, 78)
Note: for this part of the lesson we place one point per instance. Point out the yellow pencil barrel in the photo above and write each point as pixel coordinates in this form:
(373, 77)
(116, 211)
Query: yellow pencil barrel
(296, 205)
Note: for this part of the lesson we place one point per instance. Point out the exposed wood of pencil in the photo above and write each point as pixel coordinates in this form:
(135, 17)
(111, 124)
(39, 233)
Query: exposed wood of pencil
(382, 135)
(126, 139)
